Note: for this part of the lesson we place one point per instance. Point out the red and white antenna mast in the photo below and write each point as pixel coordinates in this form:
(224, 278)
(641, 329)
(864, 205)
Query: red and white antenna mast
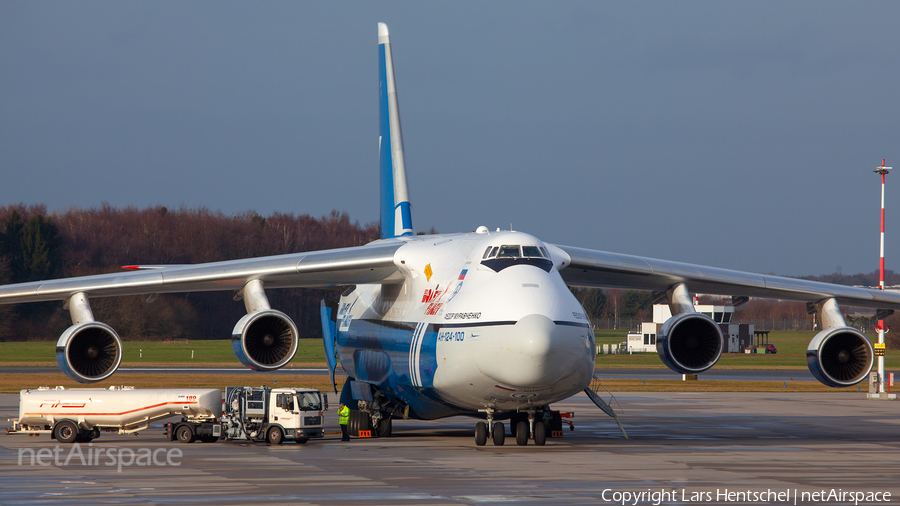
(883, 171)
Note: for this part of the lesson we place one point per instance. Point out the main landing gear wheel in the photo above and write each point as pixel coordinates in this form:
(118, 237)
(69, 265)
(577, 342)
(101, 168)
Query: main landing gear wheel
(540, 433)
(359, 421)
(274, 436)
(385, 427)
(480, 433)
(499, 434)
(522, 433)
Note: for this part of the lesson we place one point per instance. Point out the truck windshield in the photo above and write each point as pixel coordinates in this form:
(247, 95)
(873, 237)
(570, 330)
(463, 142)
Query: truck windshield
(309, 401)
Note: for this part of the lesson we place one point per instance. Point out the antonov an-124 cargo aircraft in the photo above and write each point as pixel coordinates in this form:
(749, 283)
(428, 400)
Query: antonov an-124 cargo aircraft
(480, 324)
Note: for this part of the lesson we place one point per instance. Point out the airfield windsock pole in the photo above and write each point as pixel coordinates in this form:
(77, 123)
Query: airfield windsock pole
(879, 349)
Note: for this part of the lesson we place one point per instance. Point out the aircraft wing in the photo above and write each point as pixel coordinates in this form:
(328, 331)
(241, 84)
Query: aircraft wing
(345, 266)
(592, 268)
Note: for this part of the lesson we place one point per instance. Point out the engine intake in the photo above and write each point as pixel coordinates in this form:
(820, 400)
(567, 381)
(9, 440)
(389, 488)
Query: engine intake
(840, 357)
(89, 352)
(264, 340)
(690, 343)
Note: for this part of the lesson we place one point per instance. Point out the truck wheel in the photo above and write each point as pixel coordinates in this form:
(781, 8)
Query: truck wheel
(209, 439)
(274, 436)
(95, 433)
(185, 434)
(302, 440)
(66, 431)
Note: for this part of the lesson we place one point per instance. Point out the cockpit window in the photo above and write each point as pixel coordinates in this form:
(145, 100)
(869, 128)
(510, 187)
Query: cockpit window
(508, 251)
(514, 255)
(514, 251)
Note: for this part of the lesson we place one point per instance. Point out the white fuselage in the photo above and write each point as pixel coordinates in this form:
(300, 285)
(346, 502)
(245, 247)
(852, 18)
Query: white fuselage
(480, 320)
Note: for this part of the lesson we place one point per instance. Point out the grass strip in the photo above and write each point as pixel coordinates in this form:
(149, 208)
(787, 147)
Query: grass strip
(12, 383)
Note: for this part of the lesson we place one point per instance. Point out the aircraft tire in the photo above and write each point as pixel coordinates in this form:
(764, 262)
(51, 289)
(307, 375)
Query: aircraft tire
(480, 433)
(522, 433)
(385, 427)
(499, 434)
(540, 433)
(514, 422)
(364, 421)
(556, 421)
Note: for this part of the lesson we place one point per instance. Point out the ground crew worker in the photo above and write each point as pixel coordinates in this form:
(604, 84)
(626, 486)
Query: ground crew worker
(343, 420)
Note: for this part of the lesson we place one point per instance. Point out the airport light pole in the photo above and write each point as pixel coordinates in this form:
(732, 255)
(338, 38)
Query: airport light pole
(880, 354)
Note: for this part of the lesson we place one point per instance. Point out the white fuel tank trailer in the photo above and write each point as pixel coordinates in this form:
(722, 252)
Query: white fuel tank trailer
(252, 413)
(78, 415)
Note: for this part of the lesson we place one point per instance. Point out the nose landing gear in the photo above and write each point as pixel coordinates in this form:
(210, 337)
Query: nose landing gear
(499, 434)
(530, 425)
(533, 423)
(497, 430)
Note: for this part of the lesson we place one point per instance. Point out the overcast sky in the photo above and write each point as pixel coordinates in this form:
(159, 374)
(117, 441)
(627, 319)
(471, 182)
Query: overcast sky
(734, 134)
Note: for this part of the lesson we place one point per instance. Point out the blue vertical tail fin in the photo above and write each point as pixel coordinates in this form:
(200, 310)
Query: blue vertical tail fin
(396, 214)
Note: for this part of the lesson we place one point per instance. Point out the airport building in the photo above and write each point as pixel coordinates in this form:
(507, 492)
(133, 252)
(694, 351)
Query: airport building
(738, 336)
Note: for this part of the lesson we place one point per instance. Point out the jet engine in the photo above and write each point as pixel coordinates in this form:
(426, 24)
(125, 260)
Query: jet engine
(89, 352)
(690, 343)
(840, 357)
(264, 340)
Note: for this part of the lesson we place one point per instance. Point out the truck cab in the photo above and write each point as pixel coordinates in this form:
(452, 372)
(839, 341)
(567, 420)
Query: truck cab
(260, 413)
(297, 413)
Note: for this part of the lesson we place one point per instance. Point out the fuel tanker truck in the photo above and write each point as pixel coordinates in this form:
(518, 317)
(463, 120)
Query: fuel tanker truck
(250, 413)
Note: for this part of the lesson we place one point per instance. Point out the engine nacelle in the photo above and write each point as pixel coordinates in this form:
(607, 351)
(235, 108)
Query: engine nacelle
(264, 340)
(690, 343)
(89, 352)
(840, 357)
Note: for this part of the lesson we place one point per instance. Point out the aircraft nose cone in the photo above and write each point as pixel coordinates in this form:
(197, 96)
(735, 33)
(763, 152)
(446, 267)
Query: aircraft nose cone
(536, 352)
